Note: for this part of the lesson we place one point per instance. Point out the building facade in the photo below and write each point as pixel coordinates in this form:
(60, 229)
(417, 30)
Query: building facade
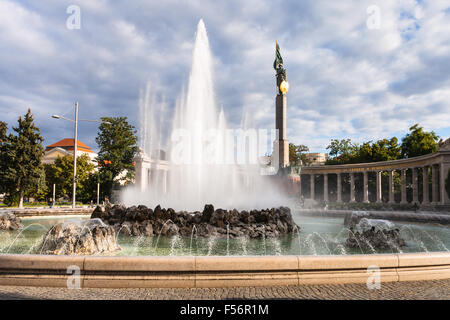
(316, 158)
(65, 147)
(433, 168)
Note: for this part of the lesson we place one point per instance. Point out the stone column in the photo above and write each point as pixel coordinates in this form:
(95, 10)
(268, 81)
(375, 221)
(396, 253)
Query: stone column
(426, 186)
(365, 187)
(300, 187)
(325, 187)
(280, 125)
(415, 186)
(352, 187)
(379, 194)
(339, 188)
(434, 184)
(141, 174)
(311, 185)
(403, 201)
(391, 187)
(443, 173)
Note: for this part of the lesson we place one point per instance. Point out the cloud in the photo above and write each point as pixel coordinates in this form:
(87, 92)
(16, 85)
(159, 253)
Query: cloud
(345, 79)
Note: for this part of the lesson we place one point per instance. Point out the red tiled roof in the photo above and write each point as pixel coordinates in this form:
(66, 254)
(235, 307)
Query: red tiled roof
(68, 144)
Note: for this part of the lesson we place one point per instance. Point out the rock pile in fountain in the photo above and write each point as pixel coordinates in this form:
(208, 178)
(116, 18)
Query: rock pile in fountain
(86, 238)
(374, 234)
(9, 221)
(141, 220)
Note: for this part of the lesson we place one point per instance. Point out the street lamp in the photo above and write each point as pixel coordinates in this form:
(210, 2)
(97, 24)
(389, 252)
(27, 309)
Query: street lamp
(55, 116)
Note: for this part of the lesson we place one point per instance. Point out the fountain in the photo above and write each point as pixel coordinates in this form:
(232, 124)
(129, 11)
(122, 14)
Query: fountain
(79, 238)
(255, 232)
(375, 234)
(202, 163)
(138, 221)
(9, 221)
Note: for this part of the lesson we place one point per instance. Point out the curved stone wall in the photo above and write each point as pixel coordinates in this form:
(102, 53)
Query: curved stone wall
(216, 271)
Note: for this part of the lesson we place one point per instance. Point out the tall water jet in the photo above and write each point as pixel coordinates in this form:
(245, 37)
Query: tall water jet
(202, 161)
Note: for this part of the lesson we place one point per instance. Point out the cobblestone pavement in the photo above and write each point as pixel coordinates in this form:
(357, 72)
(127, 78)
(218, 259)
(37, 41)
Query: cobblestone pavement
(438, 289)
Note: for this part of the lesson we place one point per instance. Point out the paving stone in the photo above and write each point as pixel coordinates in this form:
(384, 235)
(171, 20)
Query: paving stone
(436, 289)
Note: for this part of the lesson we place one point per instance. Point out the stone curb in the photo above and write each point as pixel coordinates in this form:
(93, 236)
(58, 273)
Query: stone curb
(175, 272)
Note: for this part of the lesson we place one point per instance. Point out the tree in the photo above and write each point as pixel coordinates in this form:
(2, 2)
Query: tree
(60, 173)
(382, 150)
(22, 154)
(341, 151)
(418, 142)
(297, 153)
(3, 129)
(117, 141)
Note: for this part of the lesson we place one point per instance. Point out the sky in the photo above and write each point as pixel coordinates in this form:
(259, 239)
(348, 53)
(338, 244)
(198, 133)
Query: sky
(363, 70)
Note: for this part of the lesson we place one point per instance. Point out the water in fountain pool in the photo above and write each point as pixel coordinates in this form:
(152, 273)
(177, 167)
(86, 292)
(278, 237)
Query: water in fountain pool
(318, 236)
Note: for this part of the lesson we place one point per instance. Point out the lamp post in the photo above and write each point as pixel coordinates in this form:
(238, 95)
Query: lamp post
(74, 148)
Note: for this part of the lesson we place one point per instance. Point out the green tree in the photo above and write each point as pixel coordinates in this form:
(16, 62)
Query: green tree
(297, 153)
(22, 154)
(341, 151)
(117, 141)
(382, 150)
(60, 173)
(40, 193)
(418, 142)
(3, 129)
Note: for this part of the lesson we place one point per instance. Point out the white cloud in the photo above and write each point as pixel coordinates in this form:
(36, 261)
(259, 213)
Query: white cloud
(345, 80)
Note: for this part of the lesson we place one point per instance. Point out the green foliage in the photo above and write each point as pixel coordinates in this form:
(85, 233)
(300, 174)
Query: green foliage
(21, 159)
(60, 173)
(418, 142)
(40, 193)
(297, 154)
(343, 147)
(117, 141)
(3, 128)
(89, 190)
(382, 150)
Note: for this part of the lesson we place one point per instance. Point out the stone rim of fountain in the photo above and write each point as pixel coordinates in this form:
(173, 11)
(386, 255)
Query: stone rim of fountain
(219, 271)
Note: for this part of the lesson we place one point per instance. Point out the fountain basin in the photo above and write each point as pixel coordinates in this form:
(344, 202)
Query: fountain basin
(176, 272)
(317, 236)
(255, 267)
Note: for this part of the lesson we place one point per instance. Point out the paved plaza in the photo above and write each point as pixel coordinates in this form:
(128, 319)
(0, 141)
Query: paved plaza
(437, 289)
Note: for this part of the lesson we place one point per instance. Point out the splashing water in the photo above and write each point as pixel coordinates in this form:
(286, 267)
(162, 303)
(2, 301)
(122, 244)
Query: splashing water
(201, 153)
(175, 242)
(211, 243)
